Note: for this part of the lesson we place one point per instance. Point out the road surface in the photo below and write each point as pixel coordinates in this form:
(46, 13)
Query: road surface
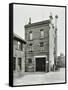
(41, 78)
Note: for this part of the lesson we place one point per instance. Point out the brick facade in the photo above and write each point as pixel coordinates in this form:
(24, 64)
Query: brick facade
(48, 50)
(18, 55)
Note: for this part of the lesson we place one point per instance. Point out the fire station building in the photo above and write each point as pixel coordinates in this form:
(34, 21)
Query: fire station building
(41, 47)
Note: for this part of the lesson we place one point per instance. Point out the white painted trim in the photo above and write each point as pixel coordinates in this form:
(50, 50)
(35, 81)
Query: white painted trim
(40, 56)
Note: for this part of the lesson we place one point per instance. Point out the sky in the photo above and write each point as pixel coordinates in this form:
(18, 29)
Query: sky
(21, 14)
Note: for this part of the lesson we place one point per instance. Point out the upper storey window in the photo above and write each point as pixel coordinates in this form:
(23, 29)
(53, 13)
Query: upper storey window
(41, 46)
(20, 46)
(30, 35)
(41, 33)
(31, 49)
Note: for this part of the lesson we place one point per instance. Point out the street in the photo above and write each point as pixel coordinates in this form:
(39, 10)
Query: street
(30, 78)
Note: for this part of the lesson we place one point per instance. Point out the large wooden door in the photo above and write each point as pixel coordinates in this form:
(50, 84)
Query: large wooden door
(40, 64)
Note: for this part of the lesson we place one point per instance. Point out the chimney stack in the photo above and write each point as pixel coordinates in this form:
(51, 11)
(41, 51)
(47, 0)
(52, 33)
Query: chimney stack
(51, 17)
(29, 20)
(56, 17)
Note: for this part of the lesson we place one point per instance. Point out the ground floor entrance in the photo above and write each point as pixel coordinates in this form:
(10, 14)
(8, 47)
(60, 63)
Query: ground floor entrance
(17, 64)
(41, 64)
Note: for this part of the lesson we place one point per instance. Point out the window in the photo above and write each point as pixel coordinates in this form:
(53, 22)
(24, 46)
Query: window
(30, 44)
(41, 33)
(20, 46)
(30, 47)
(19, 63)
(41, 46)
(29, 60)
(30, 35)
(14, 63)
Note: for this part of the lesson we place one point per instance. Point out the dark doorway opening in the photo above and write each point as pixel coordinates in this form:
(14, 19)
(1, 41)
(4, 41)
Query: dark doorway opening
(40, 64)
(20, 63)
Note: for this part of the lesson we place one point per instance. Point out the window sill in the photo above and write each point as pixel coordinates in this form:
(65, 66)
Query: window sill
(31, 40)
(19, 50)
(41, 37)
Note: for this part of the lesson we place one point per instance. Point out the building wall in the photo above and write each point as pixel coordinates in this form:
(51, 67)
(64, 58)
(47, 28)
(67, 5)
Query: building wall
(36, 43)
(51, 46)
(61, 61)
(19, 54)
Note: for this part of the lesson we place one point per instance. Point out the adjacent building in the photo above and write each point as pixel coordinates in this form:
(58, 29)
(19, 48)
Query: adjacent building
(41, 47)
(18, 54)
(61, 60)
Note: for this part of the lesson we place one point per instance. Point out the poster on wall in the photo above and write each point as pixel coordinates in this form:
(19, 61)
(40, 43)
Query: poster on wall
(37, 44)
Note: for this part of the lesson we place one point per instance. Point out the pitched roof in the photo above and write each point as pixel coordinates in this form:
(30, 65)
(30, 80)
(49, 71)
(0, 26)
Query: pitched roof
(37, 23)
(17, 37)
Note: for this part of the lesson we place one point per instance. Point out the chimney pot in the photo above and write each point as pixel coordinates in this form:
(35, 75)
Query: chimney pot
(29, 20)
(51, 16)
(56, 16)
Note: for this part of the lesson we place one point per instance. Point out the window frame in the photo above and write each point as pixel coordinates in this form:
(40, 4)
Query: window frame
(30, 35)
(41, 33)
(42, 46)
(20, 46)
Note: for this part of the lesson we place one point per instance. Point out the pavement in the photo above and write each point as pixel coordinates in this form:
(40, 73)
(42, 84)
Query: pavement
(30, 78)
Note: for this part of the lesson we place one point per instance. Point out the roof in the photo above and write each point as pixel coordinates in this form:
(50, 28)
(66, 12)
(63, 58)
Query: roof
(37, 23)
(17, 37)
